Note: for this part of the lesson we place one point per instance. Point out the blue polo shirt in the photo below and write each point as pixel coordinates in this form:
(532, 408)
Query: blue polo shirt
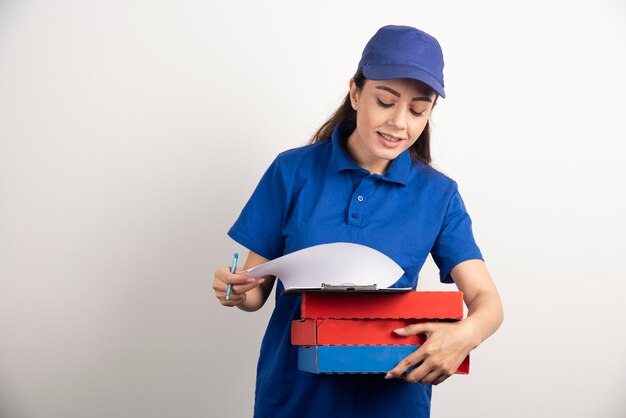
(317, 194)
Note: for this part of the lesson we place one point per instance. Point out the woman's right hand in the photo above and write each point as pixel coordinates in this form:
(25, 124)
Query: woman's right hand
(242, 284)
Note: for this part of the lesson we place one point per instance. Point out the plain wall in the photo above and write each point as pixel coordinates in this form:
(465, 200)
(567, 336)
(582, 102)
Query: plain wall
(132, 134)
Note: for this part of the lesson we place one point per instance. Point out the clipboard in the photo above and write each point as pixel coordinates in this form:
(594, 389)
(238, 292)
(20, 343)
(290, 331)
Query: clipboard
(346, 288)
(341, 266)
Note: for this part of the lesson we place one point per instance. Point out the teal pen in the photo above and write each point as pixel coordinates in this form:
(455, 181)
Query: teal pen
(233, 268)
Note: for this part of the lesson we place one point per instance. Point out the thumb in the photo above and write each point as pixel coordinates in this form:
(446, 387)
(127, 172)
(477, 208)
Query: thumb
(241, 271)
(414, 329)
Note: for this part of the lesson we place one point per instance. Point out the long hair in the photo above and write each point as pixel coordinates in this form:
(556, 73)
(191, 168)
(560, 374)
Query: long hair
(419, 151)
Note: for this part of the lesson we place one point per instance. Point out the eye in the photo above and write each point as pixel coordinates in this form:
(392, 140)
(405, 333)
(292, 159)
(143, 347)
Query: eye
(385, 105)
(388, 105)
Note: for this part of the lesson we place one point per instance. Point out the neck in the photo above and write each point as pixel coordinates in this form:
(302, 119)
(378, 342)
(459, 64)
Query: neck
(363, 158)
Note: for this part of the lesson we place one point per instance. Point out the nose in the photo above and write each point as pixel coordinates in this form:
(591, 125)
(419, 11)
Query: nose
(398, 119)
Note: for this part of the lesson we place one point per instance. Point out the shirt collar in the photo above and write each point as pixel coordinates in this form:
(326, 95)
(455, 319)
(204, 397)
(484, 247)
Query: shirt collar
(397, 172)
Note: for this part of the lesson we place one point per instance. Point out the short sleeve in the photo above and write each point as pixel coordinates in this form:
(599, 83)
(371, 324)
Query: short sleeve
(455, 242)
(259, 227)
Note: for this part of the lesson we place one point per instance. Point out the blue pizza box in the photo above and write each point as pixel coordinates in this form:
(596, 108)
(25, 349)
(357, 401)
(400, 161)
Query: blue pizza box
(352, 358)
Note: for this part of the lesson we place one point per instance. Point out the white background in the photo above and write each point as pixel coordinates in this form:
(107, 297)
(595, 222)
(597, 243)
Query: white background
(132, 133)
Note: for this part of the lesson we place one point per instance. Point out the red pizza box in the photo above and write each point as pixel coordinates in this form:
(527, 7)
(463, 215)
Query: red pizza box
(409, 305)
(352, 332)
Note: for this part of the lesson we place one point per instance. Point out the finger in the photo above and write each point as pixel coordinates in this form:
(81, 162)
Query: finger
(414, 329)
(430, 377)
(419, 372)
(440, 379)
(239, 289)
(234, 300)
(224, 271)
(221, 286)
(412, 360)
(221, 295)
(222, 281)
(238, 279)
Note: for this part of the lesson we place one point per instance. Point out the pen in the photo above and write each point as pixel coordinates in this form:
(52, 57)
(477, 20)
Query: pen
(233, 268)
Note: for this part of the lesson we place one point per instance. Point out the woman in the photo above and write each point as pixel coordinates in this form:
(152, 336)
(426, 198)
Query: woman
(366, 178)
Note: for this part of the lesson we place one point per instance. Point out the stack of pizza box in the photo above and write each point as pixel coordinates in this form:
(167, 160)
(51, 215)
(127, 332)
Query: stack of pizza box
(353, 332)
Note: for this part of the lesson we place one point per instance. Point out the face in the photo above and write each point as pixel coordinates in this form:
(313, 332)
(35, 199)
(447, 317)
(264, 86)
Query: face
(391, 115)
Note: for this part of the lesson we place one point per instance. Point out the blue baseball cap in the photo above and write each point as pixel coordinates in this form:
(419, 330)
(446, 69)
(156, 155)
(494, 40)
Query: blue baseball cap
(404, 52)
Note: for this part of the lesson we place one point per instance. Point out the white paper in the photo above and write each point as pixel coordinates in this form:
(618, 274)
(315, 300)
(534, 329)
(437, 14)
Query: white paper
(335, 264)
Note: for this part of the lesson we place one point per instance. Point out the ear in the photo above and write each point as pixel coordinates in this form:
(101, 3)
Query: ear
(354, 94)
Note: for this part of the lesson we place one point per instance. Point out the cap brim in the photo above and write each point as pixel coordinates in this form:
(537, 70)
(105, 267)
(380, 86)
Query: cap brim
(390, 71)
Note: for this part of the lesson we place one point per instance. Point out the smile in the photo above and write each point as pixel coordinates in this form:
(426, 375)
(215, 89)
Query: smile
(390, 138)
(389, 141)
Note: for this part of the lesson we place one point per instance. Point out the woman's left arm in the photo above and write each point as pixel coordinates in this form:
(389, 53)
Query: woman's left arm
(447, 344)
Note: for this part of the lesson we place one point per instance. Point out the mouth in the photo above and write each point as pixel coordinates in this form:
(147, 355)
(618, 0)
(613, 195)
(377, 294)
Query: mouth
(389, 141)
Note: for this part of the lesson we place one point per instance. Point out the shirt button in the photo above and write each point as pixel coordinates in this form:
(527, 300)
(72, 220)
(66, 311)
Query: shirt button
(354, 215)
(360, 198)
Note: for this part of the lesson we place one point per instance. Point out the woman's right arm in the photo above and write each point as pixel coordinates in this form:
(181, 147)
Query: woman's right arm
(248, 294)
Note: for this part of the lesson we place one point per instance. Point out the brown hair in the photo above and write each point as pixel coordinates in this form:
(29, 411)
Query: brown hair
(419, 151)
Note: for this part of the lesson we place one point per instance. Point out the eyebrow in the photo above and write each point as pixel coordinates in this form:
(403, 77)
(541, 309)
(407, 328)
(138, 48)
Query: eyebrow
(395, 93)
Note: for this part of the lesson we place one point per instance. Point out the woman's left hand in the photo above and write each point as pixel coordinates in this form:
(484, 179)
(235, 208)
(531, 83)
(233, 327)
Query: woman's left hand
(446, 346)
